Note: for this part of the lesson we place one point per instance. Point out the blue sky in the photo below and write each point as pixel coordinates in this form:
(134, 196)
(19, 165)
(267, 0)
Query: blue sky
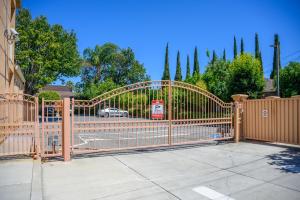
(146, 26)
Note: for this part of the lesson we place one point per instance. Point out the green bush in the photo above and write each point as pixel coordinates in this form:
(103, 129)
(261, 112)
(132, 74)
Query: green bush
(246, 76)
(216, 77)
(290, 79)
(48, 95)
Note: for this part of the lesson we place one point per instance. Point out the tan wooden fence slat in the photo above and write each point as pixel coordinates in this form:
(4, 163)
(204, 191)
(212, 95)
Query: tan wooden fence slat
(274, 120)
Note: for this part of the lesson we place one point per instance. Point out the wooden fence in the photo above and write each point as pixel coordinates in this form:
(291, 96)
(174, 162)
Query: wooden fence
(274, 120)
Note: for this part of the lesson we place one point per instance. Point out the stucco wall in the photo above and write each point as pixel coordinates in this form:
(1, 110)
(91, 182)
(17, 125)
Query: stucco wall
(9, 78)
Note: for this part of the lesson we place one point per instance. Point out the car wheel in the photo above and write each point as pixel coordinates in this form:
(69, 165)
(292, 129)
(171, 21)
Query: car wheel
(106, 115)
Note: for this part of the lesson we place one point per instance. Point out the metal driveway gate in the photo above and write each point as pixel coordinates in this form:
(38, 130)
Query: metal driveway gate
(149, 114)
(18, 124)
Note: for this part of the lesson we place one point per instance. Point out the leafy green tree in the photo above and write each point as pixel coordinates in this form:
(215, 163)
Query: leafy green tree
(91, 90)
(166, 73)
(188, 69)
(216, 78)
(111, 62)
(99, 58)
(256, 46)
(276, 56)
(214, 57)
(234, 48)
(48, 95)
(106, 67)
(207, 54)
(246, 76)
(224, 55)
(261, 63)
(201, 84)
(242, 46)
(178, 76)
(290, 79)
(196, 70)
(125, 69)
(44, 52)
(257, 51)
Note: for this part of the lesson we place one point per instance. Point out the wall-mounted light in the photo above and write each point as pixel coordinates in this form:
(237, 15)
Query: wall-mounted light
(11, 35)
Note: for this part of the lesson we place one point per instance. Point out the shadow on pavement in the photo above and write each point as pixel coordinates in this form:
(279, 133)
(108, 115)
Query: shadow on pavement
(287, 160)
(15, 157)
(139, 151)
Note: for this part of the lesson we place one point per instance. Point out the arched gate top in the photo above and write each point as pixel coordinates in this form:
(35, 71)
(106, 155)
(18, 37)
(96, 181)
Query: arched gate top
(157, 84)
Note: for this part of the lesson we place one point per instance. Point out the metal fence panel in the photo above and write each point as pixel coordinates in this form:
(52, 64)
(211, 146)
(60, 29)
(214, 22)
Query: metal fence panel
(149, 114)
(18, 124)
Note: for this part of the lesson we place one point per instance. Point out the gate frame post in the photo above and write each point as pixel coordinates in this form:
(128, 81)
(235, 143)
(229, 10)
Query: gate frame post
(238, 103)
(66, 130)
(170, 113)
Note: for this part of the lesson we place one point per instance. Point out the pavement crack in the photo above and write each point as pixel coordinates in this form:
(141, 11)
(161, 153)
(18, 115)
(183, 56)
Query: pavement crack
(146, 178)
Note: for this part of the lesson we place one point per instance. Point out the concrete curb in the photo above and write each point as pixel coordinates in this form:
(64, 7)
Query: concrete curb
(36, 182)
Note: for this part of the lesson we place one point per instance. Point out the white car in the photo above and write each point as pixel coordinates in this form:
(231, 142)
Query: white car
(112, 112)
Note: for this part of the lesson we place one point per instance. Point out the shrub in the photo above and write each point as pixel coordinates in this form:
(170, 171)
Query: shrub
(290, 79)
(246, 76)
(48, 95)
(216, 77)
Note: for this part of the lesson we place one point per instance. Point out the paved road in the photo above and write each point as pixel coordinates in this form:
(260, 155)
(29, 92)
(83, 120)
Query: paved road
(120, 132)
(242, 171)
(128, 133)
(115, 133)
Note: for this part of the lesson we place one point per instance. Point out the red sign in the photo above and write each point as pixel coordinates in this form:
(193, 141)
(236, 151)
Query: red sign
(157, 109)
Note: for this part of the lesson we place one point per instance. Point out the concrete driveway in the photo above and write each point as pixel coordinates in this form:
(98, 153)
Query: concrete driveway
(219, 172)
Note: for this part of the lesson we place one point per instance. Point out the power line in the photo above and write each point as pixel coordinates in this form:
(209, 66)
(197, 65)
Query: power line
(294, 53)
(285, 57)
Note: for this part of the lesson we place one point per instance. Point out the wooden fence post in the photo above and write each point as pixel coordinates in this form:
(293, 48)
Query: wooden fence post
(238, 99)
(66, 129)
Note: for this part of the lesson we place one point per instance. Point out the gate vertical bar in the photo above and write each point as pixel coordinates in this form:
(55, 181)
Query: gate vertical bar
(170, 113)
(72, 123)
(66, 129)
(37, 132)
(43, 127)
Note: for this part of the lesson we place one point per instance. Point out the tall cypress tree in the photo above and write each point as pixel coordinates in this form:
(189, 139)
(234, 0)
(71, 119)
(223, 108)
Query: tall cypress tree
(242, 46)
(196, 70)
(188, 69)
(224, 55)
(214, 57)
(257, 51)
(261, 63)
(166, 73)
(256, 46)
(275, 58)
(234, 48)
(178, 76)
